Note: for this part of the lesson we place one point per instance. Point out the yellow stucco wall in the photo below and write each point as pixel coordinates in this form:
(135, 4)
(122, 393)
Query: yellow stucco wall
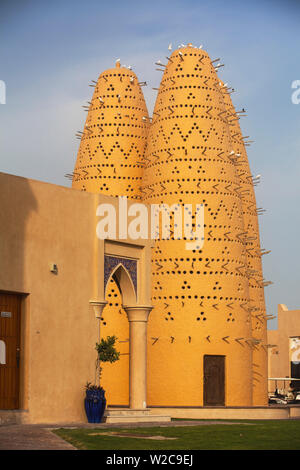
(253, 262)
(40, 229)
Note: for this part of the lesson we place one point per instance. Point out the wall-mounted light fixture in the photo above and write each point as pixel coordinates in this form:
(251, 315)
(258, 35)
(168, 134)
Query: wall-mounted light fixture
(53, 268)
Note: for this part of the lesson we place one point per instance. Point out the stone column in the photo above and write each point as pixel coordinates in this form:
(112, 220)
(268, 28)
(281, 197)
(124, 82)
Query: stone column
(138, 318)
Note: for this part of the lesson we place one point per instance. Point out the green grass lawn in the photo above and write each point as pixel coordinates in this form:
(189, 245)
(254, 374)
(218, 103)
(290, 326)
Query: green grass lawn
(239, 435)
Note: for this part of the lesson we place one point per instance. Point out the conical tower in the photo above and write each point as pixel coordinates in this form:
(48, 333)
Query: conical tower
(110, 161)
(200, 333)
(253, 268)
(111, 152)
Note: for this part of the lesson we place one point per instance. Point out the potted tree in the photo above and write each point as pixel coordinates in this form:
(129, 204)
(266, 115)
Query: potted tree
(95, 401)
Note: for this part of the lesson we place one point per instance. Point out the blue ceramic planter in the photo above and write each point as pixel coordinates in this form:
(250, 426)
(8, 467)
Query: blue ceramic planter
(95, 403)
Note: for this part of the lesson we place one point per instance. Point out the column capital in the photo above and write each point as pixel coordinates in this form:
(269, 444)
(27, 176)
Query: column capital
(98, 306)
(137, 312)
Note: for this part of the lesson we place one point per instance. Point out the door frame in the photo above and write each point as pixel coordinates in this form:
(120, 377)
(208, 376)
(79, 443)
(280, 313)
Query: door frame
(18, 331)
(205, 403)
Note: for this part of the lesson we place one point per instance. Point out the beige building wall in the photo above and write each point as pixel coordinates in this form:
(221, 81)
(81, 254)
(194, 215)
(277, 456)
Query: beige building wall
(279, 351)
(41, 224)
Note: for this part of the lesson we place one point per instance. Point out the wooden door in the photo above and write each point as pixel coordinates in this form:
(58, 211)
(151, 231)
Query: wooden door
(10, 310)
(214, 380)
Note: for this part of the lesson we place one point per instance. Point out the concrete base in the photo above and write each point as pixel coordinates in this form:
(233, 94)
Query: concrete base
(255, 412)
(127, 415)
(164, 415)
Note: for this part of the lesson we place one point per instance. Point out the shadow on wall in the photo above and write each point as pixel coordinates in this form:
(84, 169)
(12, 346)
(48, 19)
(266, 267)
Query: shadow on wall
(17, 202)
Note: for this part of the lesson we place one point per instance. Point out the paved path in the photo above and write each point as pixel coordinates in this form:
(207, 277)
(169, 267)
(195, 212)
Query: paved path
(30, 437)
(40, 437)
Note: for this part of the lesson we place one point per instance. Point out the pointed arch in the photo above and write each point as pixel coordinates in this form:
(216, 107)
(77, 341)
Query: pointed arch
(124, 281)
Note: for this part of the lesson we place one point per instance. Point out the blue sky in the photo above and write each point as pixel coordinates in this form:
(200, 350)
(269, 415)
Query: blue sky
(50, 51)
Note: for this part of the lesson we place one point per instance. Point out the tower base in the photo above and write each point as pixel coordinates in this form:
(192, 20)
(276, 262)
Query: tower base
(127, 415)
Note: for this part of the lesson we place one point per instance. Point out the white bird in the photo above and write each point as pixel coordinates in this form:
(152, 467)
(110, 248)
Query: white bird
(118, 60)
(101, 100)
(129, 67)
(170, 47)
(200, 47)
(158, 61)
(131, 79)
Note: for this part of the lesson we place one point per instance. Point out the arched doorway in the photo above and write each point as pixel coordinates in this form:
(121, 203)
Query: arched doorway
(119, 291)
(115, 377)
(126, 287)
